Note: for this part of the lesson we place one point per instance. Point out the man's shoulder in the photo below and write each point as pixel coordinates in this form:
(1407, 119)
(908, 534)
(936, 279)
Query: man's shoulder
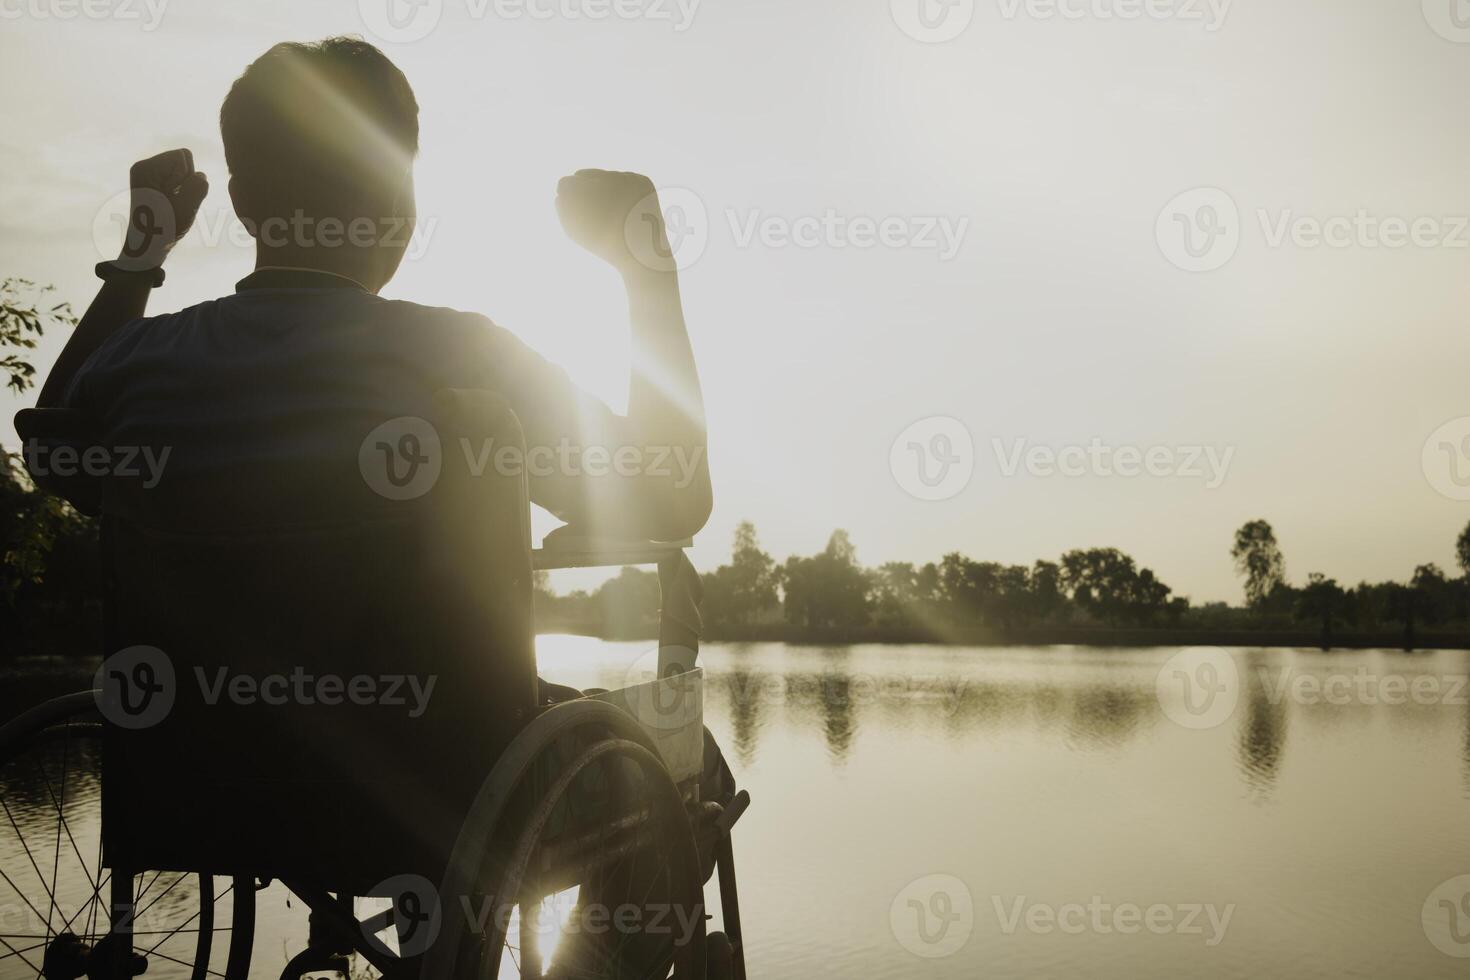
(418, 330)
(408, 312)
(460, 329)
(150, 330)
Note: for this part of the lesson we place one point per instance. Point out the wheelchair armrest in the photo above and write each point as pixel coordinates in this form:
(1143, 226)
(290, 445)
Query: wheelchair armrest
(42, 432)
(680, 624)
(575, 550)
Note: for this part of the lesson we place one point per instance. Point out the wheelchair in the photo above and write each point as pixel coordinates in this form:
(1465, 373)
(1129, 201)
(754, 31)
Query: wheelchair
(245, 729)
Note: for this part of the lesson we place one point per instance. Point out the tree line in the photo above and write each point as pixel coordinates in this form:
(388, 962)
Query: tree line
(1092, 587)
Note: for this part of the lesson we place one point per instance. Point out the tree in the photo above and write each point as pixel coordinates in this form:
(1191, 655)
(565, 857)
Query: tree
(1046, 588)
(1462, 550)
(1107, 584)
(829, 590)
(1146, 597)
(1426, 599)
(41, 538)
(1014, 604)
(1258, 557)
(25, 313)
(740, 591)
(629, 603)
(969, 588)
(1322, 601)
(895, 594)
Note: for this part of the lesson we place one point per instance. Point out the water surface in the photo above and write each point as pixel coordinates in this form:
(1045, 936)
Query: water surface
(950, 812)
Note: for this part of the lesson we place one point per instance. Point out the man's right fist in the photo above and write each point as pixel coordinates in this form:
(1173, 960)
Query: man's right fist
(615, 216)
(166, 192)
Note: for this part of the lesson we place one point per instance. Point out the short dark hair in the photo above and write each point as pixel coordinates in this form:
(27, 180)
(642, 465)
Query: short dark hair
(315, 126)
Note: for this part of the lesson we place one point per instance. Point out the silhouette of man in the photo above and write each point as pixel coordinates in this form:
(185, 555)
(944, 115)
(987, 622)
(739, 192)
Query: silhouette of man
(305, 359)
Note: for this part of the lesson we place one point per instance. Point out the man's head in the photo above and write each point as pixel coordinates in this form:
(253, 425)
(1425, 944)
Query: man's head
(320, 141)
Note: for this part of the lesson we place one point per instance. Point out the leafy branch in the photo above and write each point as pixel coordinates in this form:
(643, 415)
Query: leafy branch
(26, 311)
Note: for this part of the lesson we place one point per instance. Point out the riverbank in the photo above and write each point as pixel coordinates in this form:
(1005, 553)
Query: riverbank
(1039, 636)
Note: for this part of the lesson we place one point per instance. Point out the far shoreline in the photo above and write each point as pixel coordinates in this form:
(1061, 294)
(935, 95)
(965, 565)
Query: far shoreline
(1039, 636)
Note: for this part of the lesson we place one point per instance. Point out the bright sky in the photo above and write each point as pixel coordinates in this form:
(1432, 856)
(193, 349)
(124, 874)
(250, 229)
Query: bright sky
(1049, 145)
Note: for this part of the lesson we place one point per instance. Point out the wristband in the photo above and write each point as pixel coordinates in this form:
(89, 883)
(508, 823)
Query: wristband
(107, 271)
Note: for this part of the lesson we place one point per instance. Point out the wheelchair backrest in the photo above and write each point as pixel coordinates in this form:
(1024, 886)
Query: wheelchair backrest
(308, 674)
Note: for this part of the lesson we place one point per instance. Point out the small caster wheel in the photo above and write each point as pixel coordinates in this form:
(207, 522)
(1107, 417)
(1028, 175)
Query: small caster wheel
(720, 957)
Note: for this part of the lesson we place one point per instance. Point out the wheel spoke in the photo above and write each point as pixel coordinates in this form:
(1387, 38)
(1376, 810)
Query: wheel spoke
(27, 848)
(64, 826)
(144, 890)
(56, 857)
(174, 959)
(25, 949)
(91, 904)
(138, 916)
(174, 932)
(23, 898)
(22, 954)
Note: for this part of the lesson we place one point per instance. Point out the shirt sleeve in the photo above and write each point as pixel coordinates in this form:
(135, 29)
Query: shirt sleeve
(559, 419)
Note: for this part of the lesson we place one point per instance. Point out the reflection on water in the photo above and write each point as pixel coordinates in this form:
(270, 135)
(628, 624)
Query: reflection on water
(1262, 739)
(1053, 776)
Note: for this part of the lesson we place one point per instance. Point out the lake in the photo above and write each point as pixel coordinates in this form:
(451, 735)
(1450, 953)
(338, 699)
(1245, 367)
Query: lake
(950, 812)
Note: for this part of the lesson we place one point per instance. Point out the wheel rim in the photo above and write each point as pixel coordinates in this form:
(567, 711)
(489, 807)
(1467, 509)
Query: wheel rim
(598, 735)
(53, 883)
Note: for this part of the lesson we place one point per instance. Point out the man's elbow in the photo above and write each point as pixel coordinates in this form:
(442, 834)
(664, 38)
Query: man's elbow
(681, 511)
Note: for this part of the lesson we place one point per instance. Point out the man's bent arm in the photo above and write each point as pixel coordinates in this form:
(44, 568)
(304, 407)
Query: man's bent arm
(166, 192)
(120, 300)
(658, 485)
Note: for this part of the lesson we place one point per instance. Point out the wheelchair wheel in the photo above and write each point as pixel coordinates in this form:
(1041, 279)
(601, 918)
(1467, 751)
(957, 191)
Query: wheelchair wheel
(56, 908)
(577, 860)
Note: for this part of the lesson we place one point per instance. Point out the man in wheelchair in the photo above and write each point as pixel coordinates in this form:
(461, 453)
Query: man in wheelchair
(307, 401)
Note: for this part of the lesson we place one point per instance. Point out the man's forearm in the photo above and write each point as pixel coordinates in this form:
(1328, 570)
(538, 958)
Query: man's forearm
(664, 398)
(121, 299)
(665, 403)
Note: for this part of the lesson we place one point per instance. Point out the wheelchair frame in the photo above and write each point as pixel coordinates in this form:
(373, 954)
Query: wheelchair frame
(336, 932)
